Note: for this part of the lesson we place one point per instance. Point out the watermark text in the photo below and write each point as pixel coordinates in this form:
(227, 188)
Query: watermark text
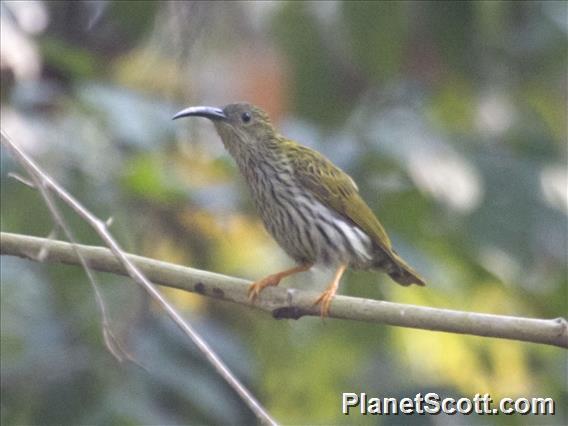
(432, 403)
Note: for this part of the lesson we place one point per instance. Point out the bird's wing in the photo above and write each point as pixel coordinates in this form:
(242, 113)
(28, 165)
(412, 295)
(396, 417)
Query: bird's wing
(335, 189)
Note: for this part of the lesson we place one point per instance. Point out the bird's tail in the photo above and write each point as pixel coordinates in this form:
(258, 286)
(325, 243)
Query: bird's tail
(399, 270)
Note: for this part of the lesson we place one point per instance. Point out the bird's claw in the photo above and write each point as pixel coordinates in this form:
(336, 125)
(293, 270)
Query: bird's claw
(325, 300)
(256, 287)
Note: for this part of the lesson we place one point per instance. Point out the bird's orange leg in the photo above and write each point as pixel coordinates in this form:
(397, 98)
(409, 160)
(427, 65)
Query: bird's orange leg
(274, 279)
(327, 296)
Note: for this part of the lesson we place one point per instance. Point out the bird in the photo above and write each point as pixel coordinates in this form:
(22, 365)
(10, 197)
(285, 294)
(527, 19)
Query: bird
(311, 207)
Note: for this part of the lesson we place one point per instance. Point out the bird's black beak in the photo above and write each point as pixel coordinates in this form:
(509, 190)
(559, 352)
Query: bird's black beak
(202, 111)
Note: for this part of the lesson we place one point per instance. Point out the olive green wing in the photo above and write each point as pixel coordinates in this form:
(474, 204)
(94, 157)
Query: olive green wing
(336, 190)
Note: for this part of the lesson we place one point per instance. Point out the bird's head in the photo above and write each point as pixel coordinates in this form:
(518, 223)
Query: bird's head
(243, 128)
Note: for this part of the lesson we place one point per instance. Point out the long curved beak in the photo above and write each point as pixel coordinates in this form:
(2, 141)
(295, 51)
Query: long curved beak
(211, 113)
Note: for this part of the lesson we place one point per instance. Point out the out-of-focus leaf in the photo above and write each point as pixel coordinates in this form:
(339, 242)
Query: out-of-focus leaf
(146, 177)
(377, 32)
(452, 106)
(72, 61)
(296, 31)
(131, 118)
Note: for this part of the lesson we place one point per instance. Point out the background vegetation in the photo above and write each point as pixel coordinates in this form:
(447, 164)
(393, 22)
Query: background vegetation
(451, 116)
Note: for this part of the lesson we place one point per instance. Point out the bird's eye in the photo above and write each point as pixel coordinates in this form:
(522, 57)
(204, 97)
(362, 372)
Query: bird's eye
(246, 117)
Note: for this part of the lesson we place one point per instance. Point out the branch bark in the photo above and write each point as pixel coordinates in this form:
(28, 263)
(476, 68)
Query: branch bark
(291, 303)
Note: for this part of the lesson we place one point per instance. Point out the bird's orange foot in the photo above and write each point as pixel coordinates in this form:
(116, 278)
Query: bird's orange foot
(256, 287)
(325, 301)
(327, 296)
(274, 279)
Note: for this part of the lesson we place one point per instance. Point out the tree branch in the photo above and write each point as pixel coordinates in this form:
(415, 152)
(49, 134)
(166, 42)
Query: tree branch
(291, 303)
(45, 184)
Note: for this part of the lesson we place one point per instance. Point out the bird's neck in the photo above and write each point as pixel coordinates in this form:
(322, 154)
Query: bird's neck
(247, 154)
(261, 164)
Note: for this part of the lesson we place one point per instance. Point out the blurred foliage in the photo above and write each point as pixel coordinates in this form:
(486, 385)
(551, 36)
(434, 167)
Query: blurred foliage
(451, 116)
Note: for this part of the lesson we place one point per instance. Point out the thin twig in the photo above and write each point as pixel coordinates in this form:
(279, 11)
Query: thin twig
(290, 303)
(99, 226)
(110, 340)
